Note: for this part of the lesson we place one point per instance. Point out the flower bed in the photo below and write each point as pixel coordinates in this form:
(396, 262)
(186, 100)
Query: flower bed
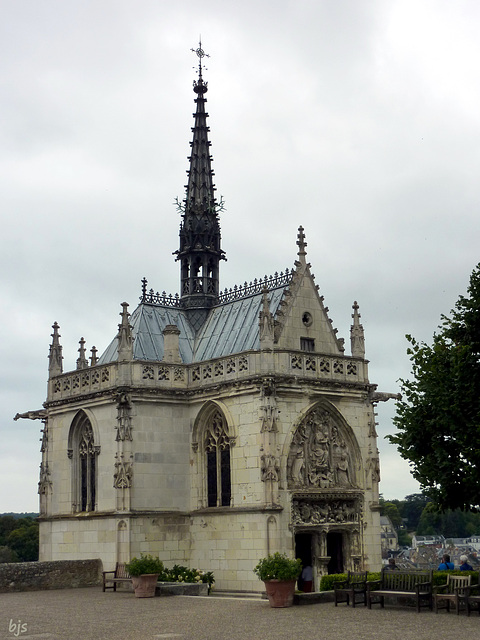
(179, 573)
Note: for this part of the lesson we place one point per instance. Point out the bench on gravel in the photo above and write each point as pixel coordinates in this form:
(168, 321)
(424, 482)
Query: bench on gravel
(401, 584)
(112, 578)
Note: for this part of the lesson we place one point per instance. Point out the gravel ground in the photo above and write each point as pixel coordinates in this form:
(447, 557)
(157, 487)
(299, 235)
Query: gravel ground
(90, 614)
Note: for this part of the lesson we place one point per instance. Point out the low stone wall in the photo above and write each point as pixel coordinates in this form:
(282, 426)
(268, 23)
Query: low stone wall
(57, 574)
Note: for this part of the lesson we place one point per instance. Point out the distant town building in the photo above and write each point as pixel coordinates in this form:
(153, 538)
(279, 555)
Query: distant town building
(427, 541)
(389, 536)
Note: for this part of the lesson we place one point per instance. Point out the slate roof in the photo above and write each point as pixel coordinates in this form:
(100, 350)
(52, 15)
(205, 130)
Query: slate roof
(230, 328)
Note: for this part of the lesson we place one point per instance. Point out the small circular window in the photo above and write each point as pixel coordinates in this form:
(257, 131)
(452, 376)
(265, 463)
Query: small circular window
(307, 319)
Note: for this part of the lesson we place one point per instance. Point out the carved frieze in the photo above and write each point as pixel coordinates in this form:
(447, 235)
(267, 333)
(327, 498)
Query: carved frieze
(319, 456)
(326, 510)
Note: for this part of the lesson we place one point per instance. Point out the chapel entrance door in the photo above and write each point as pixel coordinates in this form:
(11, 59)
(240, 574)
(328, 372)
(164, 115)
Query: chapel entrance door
(303, 550)
(335, 551)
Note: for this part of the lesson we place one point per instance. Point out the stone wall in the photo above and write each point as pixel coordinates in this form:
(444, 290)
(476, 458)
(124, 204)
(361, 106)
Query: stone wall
(58, 574)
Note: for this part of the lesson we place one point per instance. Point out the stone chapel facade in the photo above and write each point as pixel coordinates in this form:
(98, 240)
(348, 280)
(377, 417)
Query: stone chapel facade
(217, 427)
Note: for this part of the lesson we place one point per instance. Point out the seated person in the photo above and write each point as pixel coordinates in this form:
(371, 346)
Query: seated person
(391, 566)
(446, 565)
(465, 566)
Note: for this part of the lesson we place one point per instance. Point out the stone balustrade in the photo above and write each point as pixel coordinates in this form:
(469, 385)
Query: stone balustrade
(342, 369)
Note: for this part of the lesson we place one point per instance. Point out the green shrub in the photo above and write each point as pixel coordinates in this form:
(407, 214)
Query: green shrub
(145, 564)
(326, 582)
(278, 566)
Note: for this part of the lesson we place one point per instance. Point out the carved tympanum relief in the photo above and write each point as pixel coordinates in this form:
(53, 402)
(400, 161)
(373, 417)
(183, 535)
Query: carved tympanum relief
(329, 510)
(319, 456)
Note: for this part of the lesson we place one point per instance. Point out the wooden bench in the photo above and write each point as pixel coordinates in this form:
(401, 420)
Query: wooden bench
(472, 598)
(112, 578)
(401, 584)
(353, 589)
(454, 591)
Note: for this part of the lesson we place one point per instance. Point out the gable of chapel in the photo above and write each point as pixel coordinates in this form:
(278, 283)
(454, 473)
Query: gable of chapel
(302, 313)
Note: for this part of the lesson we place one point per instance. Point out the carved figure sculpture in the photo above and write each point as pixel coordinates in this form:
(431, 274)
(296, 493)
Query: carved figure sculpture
(319, 455)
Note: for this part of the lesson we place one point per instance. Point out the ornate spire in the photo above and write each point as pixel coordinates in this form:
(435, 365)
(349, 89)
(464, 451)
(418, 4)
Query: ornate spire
(55, 364)
(200, 252)
(124, 336)
(82, 362)
(357, 339)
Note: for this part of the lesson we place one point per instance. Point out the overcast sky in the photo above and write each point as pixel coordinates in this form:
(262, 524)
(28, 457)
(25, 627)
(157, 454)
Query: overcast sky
(357, 119)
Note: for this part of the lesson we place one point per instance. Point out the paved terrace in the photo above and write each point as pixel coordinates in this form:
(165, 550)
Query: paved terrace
(90, 614)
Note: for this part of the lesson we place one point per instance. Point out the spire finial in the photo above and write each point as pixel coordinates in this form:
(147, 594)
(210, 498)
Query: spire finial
(124, 336)
(357, 337)
(200, 54)
(301, 245)
(301, 241)
(93, 357)
(55, 365)
(82, 362)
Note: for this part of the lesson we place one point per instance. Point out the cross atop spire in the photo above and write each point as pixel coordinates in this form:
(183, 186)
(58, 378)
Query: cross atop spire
(200, 54)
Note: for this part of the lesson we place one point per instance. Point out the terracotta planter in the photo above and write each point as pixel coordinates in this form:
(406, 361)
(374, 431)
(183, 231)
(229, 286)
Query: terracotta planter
(145, 585)
(280, 592)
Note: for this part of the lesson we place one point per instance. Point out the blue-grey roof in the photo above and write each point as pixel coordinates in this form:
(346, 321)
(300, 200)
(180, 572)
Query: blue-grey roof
(230, 328)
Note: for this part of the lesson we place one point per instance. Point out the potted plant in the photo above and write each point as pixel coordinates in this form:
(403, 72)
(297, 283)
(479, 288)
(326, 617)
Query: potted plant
(144, 572)
(279, 574)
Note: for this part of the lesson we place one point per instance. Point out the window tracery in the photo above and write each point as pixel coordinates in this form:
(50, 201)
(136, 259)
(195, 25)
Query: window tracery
(83, 452)
(217, 453)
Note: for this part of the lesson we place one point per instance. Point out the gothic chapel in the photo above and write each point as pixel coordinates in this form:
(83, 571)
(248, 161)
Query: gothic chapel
(217, 427)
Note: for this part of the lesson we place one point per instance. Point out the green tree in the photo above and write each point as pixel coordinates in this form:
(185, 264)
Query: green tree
(7, 525)
(7, 555)
(24, 540)
(18, 539)
(412, 508)
(438, 419)
(404, 539)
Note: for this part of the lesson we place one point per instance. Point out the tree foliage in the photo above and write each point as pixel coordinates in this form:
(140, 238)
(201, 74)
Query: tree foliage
(438, 418)
(18, 539)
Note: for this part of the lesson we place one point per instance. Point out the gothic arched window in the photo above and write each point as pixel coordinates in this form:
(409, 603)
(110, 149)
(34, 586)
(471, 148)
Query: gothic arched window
(83, 451)
(217, 452)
